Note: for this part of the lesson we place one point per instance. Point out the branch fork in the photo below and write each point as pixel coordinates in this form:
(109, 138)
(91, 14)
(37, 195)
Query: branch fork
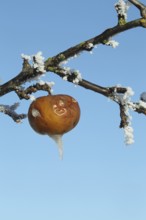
(35, 66)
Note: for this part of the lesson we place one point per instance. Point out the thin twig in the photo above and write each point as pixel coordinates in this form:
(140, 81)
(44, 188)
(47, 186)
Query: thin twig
(10, 111)
(140, 6)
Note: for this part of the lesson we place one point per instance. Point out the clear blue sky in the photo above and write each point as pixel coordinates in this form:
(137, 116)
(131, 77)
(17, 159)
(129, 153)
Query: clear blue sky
(99, 177)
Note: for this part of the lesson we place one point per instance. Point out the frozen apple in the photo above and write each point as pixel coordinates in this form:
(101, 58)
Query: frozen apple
(54, 115)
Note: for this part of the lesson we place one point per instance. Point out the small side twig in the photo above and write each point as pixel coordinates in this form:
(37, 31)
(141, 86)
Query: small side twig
(25, 93)
(10, 111)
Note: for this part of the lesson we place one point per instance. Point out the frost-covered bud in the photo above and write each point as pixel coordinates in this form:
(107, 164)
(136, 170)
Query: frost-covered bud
(51, 84)
(142, 104)
(26, 57)
(89, 46)
(128, 94)
(65, 78)
(38, 62)
(78, 77)
(112, 43)
(41, 82)
(129, 137)
(121, 7)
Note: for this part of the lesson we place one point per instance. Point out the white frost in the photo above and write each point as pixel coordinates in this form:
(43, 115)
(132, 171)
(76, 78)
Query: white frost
(78, 77)
(2, 108)
(89, 46)
(26, 57)
(129, 137)
(125, 100)
(65, 78)
(38, 62)
(128, 94)
(32, 97)
(142, 104)
(41, 82)
(128, 130)
(112, 43)
(122, 7)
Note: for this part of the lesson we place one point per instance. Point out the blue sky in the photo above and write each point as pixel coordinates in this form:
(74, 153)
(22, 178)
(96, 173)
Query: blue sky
(99, 177)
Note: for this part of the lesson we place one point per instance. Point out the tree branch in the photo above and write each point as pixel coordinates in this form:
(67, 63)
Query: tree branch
(84, 46)
(29, 73)
(54, 64)
(25, 93)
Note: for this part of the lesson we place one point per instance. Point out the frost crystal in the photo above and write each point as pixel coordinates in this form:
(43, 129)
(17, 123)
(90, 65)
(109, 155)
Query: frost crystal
(142, 104)
(76, 75)
(26, 57)
(32, 97)
(89, 46)
(41, 82)
(122, 7)
(112, 43)
(38, 62)
(128, 94)
(128, 130)
(129, 137)
(2, 108)
(51, 84)
(77, 78)
(63, 62)
(65, 78)
(125, 100)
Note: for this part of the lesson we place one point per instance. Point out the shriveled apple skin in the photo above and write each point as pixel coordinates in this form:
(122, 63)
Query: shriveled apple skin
(54, 114)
